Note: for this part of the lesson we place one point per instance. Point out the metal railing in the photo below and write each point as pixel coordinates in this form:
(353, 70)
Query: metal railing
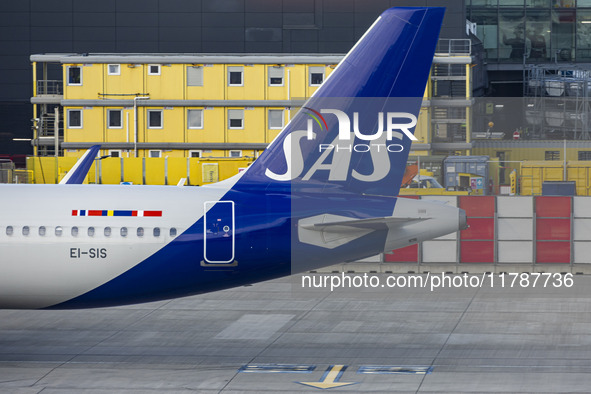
(454, 47)
(9, 174)
(49, 87)
(47, 126)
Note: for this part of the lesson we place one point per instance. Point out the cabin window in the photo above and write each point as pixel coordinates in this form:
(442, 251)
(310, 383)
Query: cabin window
(42, 231)
(173, 232)
(140, 231)
(91, 231)
(156, 231)
(9, 230)
(26, 230)
(123, 231)
(59, 231)
(74, 231)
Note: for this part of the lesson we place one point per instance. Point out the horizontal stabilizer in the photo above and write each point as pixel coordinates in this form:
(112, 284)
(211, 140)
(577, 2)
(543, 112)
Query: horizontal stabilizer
(330, 231)
(371, 223)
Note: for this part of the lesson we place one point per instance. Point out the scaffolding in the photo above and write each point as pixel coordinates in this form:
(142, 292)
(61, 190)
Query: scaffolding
(558, 102)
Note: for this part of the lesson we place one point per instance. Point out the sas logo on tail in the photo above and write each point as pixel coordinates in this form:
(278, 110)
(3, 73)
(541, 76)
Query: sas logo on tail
(378, 145)
(315, 115)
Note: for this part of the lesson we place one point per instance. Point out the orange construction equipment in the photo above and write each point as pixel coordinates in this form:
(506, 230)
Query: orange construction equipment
(410, 172)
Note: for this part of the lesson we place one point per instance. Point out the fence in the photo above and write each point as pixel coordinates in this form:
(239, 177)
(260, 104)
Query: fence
(140, 171)
(49, 87)
(454, 47)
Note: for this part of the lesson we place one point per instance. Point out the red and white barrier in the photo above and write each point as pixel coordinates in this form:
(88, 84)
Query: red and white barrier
(509, 230)
(514, 229)
(582, 230)
(443, 249)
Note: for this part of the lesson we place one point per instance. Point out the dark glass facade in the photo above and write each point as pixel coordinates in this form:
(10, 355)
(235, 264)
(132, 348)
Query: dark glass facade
(533, 31)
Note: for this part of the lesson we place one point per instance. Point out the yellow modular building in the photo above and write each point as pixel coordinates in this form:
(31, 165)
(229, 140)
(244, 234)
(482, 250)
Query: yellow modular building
(212, 106)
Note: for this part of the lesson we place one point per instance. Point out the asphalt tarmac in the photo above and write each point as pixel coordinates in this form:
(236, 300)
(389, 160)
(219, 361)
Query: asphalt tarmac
(273, 337)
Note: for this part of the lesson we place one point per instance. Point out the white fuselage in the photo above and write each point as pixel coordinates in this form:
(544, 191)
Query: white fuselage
(50, 263)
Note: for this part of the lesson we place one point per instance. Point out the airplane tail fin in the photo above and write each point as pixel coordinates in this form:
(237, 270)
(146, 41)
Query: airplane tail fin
(354, 133)
(77, 173)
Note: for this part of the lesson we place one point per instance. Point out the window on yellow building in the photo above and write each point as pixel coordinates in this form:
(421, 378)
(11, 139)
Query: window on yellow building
(194, 76)
(316, 75)
(115, 153)
(114, 118)
(275, 75)
(114, 69)
(235, 76)
(154, 118)
(155, 153)
(195, 118)
(195, 153)
(74, 75)
(584, 155)
(275, 118)
(235, 118)
(552, 155)
(235, 153)
(153, 69)
(74, 118)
